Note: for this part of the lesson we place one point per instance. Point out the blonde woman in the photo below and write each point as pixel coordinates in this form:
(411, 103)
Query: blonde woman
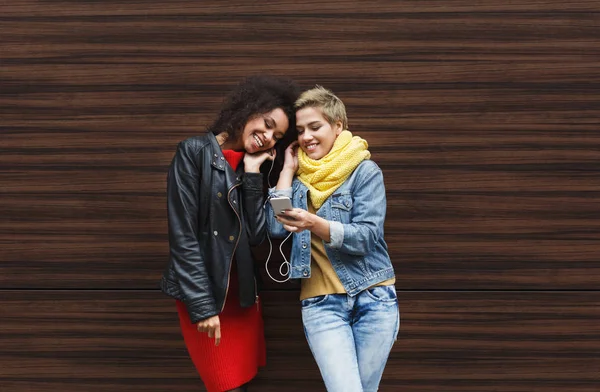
(348, 299)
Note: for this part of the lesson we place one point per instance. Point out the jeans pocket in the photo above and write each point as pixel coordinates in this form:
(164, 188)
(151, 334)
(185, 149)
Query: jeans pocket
(382, 293)
(313, 301)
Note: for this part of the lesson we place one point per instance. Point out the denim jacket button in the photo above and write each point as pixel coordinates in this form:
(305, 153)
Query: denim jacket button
(305, 273)
(303, 245)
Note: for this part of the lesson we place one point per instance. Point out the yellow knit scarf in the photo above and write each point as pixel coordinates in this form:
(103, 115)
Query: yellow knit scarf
(325, 175)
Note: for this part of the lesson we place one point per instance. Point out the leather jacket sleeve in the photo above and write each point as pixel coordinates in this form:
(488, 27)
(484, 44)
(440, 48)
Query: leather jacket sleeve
(256, 225)
(183, 182)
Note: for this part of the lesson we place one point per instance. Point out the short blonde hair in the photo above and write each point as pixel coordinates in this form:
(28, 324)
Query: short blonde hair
(331, 106)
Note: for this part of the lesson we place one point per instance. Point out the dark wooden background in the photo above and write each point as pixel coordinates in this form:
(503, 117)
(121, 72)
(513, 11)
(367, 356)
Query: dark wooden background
(484, 116)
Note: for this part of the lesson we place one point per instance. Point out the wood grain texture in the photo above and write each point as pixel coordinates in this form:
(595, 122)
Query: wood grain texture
(483, 116)
(477, 341)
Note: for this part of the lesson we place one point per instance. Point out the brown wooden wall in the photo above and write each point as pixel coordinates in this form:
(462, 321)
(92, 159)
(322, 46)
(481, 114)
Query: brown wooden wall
(484, 116)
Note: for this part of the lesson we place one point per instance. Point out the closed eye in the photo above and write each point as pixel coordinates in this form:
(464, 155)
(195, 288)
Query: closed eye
(269, 124)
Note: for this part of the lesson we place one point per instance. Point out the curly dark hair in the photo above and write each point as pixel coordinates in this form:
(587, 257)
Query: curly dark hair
(254, 96)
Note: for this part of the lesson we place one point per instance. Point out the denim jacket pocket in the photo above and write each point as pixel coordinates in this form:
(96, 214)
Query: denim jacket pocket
(313, 301)
(342, 201)
(382, 293)
(341, 207)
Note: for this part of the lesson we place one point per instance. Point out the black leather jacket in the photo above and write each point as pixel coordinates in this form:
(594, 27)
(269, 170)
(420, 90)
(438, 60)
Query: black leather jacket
(215, 215)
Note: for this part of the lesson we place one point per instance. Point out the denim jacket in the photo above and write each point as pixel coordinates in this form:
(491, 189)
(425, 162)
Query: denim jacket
(356, 213)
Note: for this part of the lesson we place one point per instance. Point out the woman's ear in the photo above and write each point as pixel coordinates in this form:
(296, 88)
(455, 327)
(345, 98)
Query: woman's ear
(339, 127)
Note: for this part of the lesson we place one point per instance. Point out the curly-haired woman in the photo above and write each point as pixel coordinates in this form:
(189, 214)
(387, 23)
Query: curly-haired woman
(214, 201)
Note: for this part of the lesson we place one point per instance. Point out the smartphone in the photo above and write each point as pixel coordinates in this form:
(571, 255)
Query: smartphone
(280, 204)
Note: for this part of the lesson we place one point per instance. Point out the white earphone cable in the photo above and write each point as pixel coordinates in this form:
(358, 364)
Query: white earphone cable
(284, 268)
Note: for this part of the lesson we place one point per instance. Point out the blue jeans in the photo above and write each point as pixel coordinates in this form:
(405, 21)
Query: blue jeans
(351, 337)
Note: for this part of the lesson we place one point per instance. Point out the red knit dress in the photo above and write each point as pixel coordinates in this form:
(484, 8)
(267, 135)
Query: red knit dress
(242, 349)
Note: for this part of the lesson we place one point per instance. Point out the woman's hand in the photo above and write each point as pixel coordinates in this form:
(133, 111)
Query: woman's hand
(291, 158)
(252, 162)
(290, 166)
(212, 325)
(296, 220)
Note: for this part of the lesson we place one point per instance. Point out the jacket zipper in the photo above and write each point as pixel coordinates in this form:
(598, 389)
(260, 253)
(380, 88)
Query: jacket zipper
(256, 295)
(236, 243)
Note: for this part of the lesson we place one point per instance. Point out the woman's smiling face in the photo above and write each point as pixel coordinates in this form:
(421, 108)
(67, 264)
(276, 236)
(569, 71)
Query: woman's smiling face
(264, 130)
(316, 135)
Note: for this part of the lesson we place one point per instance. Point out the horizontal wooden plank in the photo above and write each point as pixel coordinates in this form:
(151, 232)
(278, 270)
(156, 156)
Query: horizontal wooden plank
(73, 76)
(456, 341)
(132, 180)
(182, 8)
